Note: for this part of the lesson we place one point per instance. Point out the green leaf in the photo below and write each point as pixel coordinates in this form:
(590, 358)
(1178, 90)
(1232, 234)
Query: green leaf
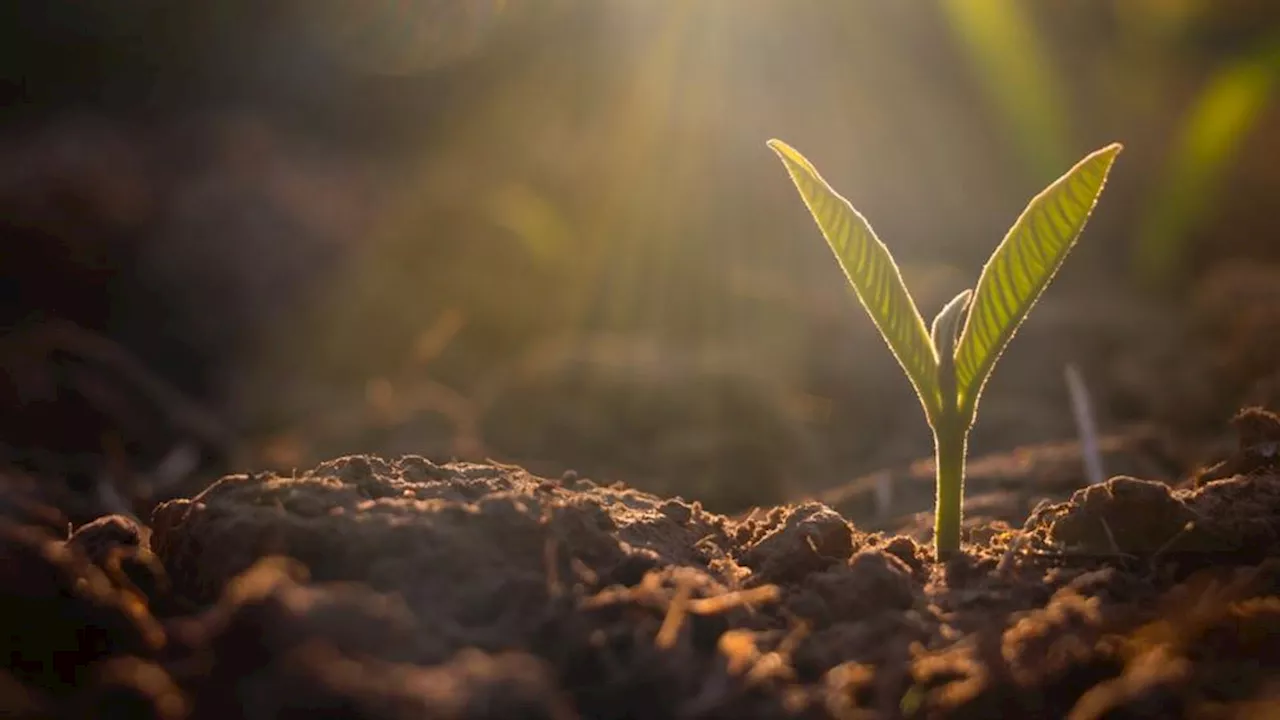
(1021, 268)
(872, 272)
(945, 332)
(946, 326)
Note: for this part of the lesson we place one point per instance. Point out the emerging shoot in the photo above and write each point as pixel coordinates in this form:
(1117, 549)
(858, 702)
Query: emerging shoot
(950, 364)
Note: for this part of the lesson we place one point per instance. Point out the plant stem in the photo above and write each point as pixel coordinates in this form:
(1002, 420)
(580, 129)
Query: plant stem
(950, 443)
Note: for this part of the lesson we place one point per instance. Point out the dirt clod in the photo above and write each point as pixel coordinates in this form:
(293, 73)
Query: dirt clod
(98, 539)
(1128, 515)
(801, 540)
(59, 613)
(1258, 448)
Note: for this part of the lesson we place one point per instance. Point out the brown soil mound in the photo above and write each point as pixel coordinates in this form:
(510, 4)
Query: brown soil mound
(372, 588)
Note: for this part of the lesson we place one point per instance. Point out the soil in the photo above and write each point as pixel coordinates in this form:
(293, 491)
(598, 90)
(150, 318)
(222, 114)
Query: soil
(371, 587)
(376, 588)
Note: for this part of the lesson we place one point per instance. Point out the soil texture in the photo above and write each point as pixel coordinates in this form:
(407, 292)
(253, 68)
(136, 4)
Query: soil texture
(372, 588)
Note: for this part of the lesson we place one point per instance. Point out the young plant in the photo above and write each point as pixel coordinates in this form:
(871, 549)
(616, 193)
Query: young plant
(949, 365)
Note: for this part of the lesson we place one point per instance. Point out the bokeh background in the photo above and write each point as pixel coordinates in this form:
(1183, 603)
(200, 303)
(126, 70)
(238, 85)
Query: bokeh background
(242, 235)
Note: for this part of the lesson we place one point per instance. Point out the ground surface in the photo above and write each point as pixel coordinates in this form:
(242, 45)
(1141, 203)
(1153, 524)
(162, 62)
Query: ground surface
(480, 591)
(423, 588)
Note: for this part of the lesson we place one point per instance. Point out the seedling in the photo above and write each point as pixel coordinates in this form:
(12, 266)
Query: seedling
(949, 365)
